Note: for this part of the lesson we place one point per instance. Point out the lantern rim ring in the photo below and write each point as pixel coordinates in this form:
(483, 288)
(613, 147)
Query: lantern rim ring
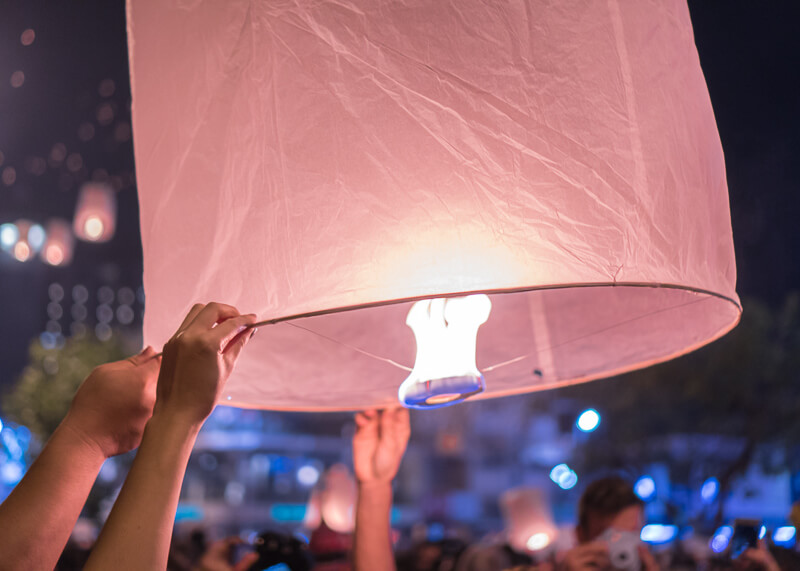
(499, 291)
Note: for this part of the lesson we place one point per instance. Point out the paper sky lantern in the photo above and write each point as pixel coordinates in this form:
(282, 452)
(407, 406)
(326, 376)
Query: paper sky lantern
(333, 501)
(96, 213)
(328, 166)
(29, 240)
(58, 247)
(528, 520)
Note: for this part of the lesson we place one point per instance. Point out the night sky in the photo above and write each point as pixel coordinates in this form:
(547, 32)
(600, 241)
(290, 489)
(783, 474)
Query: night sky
(750, 53)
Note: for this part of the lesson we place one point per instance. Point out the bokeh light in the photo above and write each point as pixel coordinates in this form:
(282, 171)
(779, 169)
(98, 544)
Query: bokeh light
(657, 534)
(721, 538)
(36, 237)
(589, 420)
(709, 490)
(308, 475)
(9, 234)
(645, 488)
(27, 37)
(784, 536)
(17, 79)
(9, 176)
(22, 252)
(564, 476)
(93, 227)
(537, 541)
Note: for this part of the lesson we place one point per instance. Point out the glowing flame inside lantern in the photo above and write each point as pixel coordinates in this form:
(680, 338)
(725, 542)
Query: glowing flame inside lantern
(93, 227)
(446, 331)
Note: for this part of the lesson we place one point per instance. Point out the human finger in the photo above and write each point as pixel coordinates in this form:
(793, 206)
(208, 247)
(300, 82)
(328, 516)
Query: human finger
(211, 314)
(402, 421)
(235, 346)
(365, 418)
(595, 551)
(190, 315)
(226, 333)
(143, 356)
(648, 561)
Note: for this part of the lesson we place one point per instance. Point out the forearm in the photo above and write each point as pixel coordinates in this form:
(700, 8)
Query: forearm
(39, 514)
(138, 531)
(373, 545)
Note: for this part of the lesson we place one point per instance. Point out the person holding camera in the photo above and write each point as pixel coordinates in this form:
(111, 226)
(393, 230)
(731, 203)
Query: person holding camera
(106, 418)
(610, 518)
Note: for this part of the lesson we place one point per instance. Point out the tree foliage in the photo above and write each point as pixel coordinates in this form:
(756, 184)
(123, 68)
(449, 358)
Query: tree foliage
(41, 396)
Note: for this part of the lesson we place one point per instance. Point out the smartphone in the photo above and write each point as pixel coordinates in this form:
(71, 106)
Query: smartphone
(745, 536)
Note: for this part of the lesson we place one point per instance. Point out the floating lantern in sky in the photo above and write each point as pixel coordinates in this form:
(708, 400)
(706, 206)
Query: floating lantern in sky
(528, 520)
(345, 172)
(96, 213)
(29, 240)
(333, 501)
(58, 246)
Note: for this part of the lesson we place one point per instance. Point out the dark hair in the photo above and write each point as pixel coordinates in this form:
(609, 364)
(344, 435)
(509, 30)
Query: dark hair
(605, 498)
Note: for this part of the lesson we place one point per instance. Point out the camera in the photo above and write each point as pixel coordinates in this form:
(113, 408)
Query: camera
(623, 549)
(276, 549)
(745, 536)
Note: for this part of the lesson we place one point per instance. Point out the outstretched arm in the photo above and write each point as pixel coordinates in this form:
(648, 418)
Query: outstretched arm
(196, 363)
(378, 447)
(107, 417)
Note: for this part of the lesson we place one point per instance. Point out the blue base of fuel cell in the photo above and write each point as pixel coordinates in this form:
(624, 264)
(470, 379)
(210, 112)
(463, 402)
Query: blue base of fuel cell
(437, 393)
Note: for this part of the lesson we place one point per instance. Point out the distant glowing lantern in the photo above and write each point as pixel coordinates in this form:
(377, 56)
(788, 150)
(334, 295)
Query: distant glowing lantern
(528, 519)
(58, 246)
(352, 175)
(333, 501)
(96, 213)
(28, 236)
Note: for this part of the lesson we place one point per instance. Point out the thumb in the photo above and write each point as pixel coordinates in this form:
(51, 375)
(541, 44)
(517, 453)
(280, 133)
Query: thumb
(147, 356)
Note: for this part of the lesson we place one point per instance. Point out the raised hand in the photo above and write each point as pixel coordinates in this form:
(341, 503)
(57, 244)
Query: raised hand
(199, 358)
(378, 447)
(379, 444)
(195, 366)
(114, 403)
(107, 417)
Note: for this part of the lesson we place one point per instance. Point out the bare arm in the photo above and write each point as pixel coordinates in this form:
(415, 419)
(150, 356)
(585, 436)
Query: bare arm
(107, 417)
(378, 447)
(196, 363)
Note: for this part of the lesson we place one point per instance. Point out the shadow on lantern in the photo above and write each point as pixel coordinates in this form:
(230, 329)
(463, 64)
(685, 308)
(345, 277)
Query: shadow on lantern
(96, 213)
